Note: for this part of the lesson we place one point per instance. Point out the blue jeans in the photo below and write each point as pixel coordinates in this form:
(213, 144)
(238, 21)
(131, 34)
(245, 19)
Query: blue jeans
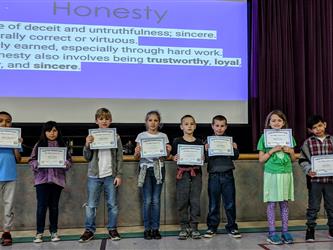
(221, 185)
(151, 193)
(95, 187)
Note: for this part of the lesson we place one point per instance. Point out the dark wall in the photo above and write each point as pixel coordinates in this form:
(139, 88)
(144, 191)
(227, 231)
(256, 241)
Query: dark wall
(75, 134)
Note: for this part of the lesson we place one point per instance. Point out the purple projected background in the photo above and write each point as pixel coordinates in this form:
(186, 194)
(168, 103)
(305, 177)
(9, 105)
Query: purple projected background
(139, 81)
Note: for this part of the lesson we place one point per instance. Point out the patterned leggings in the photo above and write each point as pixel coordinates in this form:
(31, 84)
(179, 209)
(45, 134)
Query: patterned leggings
(271, 216)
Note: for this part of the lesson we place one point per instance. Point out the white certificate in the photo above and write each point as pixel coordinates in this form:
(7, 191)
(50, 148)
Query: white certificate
(153, 147)
(52, 157)
(278, 137)
(220, 145)
(322, 165)
(9, 137)
(190, 154)
(103, 138)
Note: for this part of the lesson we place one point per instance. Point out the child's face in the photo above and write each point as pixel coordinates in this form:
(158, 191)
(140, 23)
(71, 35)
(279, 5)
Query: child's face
(52, 134)
(219, 127)
(276, 122)
(318, 129)
(188, 125)
(5, 121)
(152, 123)
(104, 121)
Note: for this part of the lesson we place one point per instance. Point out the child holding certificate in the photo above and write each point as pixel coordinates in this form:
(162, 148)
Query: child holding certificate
(8, 159)
(221, 183)
(189, 179)
(278, 178)
(104, 172)
(151, 175)
(319, 144)
(49, 182)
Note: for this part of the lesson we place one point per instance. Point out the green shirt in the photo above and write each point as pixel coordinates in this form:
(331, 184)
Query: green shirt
(278, 162)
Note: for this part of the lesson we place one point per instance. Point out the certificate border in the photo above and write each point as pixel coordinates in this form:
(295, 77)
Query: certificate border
(115, 145)
(153, 155)
(190, 146)
(210, 153)
(19, 136)
(64, 149)
(313, 158)
(285, 129)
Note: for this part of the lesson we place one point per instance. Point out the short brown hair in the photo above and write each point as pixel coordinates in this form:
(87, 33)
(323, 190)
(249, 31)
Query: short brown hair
(219, 118)
(103, 112)
(187, 116)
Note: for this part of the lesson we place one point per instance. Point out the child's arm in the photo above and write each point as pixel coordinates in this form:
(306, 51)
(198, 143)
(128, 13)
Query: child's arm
(290, 151)
(87, 152)
(236, 151)
(17, 155)
(33, 163)
(137, 150)
(304, 160)
(119, 173)
(263, 157)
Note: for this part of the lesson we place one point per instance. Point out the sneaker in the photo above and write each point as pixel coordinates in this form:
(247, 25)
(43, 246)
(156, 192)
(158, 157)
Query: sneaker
(330, 233)
(86, 236)
(274, 239)
(209, 234)
(114, 235)
(6, 239)
(55, 237)
(310, 234)
(38, 238)
(235, 234)
(195, 234)
(156, 234)
(287, 238)
(183, 234)
(147, 235)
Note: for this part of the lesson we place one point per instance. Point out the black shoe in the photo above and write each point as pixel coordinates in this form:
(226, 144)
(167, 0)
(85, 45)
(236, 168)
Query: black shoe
(114, 235)
(86, 236)
(147, 235)
(310, 234)
(156, 234)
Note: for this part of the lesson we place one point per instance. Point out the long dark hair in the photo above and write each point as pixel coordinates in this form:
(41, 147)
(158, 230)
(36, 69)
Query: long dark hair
(43, 141)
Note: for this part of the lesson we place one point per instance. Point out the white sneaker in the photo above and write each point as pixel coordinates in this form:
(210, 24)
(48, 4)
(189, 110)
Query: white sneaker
(38, 238)
(55, 237)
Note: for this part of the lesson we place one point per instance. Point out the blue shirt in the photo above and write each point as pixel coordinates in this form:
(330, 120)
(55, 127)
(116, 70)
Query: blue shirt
(7, 164)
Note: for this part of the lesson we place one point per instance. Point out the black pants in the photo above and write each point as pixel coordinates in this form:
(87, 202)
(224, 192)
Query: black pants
(48, 196)
(188, 199)
(316, 192)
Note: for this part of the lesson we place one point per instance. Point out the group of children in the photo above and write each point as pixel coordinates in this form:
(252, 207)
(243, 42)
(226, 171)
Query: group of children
(105, 173)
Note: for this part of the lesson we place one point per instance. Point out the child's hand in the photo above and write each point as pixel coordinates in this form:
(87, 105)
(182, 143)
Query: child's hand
(168, 148)
(234, 145)
(312, 174)
(117, 181)
(206, 146)
(20, 140)
(89, 140)
(137, 151)
(275, 149)
(175, 157)
(288, 150)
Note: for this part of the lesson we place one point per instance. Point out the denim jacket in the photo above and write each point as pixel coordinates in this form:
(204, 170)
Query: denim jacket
(91, 155)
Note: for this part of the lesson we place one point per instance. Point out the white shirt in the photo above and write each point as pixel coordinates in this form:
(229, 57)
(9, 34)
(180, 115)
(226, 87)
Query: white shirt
(104, 163)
